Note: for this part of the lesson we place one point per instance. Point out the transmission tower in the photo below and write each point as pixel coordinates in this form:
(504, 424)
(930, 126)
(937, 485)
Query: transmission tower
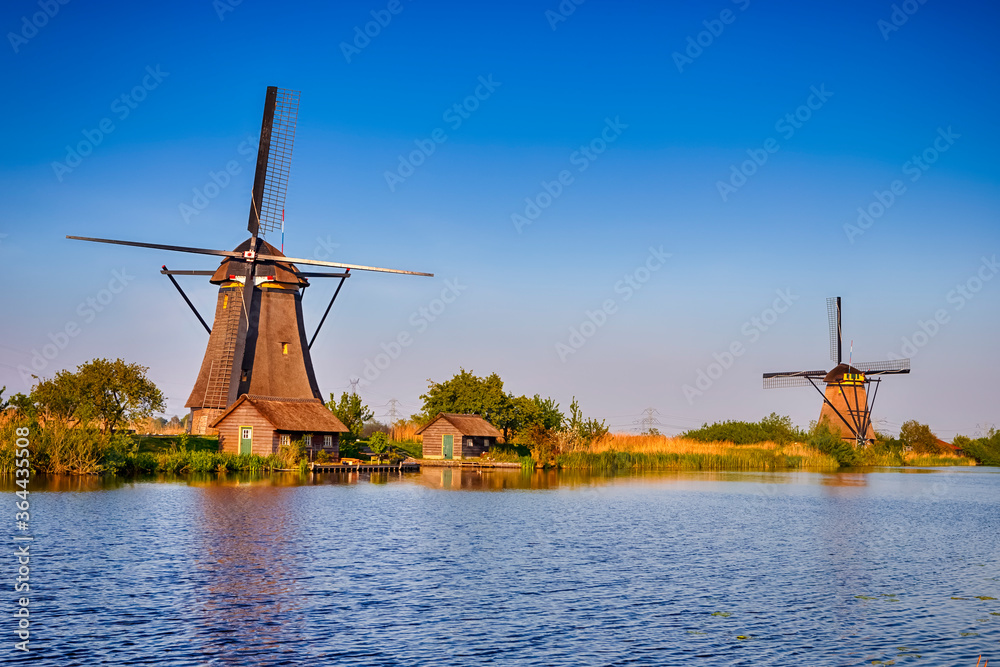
(354, 385)
(648, 421)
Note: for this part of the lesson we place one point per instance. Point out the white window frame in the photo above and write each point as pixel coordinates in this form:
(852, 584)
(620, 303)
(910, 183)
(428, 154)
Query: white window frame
(284, 440)
(307, 439)
(328, 441)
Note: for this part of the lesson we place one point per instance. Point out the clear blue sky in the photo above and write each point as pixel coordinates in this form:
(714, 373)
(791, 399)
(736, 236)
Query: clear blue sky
(863, 100)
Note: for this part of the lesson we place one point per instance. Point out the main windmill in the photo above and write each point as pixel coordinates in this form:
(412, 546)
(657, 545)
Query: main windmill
(257, 345)
(847, 402)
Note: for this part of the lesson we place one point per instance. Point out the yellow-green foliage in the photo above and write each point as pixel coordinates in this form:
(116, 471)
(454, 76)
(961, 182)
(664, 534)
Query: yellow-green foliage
(652, 452)
(916, 459)
(59, 449)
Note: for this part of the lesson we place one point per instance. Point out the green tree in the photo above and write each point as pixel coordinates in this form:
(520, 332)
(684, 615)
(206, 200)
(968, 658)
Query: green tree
(3, 403)
(467, 394)
(352, 412)
(584, 431)
(113, 393)
(919, 437)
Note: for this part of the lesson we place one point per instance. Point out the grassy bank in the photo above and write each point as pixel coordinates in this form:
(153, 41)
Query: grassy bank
(59, 449)
(615, 452)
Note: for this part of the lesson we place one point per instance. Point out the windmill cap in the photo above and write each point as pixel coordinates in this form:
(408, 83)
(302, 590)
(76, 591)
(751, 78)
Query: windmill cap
(281, 272)
(837, 374)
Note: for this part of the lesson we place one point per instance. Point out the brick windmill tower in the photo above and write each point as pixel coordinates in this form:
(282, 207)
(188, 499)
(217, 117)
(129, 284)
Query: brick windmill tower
(847, 401)
(257, 346)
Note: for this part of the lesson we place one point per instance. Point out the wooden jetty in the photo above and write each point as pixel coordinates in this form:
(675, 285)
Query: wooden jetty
(409, 465)
(473, 464)
(353, 465)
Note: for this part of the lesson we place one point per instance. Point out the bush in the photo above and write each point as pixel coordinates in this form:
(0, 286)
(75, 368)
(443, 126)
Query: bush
(773, 428)
(919, 438)
(985, 450)
(828, 442)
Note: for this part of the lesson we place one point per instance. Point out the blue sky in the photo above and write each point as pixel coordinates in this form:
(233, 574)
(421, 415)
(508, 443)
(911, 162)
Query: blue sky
(680, 125)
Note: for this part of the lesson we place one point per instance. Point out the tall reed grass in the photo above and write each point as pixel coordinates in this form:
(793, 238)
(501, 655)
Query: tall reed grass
(621, 451)
(915, 459)
(57, 448)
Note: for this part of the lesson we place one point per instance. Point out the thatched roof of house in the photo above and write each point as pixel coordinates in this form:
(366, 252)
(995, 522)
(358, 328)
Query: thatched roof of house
(473, 425)
(307, 415)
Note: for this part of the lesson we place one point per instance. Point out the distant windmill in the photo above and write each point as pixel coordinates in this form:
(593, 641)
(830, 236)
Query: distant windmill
(257, 345)
(846, 404)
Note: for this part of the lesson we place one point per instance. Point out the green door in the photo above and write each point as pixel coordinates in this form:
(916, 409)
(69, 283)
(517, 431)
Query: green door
(448, 445)
(246, 440)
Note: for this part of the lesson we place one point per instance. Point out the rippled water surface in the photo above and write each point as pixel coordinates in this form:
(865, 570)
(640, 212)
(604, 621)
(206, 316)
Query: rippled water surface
(460, 568)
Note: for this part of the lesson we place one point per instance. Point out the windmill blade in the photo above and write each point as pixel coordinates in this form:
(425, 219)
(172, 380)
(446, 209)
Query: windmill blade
(833, 315)
(338, 265)
(782, 381)
(274, 158)
(897, 366)
(160, 246)
(791, 379)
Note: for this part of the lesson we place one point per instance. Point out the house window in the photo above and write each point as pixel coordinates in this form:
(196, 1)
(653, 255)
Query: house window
(328, 441)
(225, 301)
(284, 439)
(284, 348)
(307, 439)
(245, 433)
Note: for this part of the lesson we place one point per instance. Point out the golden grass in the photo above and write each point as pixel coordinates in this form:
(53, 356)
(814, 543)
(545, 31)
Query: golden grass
(658, 451)
(942, 459)
(405, 430)
(661, 444)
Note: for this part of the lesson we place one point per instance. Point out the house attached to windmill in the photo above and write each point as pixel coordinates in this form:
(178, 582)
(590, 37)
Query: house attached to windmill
(455, 436)
(261, 425)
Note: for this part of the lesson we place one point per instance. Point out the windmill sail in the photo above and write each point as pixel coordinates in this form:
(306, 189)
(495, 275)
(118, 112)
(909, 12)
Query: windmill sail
(833, 316)
(897, 366)
(279, 160)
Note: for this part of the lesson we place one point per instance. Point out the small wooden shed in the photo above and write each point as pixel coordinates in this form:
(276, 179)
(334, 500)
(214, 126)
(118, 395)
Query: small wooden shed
(261, 425)
(454, 436)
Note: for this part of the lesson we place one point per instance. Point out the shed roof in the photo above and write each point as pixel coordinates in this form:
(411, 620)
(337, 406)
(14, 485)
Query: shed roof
(466, 424)
(289, 414)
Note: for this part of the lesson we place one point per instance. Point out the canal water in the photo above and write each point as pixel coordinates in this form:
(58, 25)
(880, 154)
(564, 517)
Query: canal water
(449, 567)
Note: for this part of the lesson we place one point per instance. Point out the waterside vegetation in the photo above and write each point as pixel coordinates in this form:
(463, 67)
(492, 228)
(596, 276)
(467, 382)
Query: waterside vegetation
(77, 424)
